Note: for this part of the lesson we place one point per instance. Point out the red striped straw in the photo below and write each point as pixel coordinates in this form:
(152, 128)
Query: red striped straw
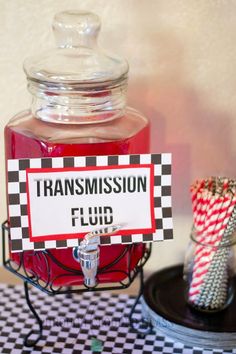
(201, 198)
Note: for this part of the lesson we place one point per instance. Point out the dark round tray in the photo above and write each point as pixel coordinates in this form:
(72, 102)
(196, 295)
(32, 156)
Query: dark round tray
(164, 294)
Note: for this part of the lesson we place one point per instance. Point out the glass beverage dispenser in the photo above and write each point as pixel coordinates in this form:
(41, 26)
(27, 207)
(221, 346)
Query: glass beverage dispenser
(78, 109)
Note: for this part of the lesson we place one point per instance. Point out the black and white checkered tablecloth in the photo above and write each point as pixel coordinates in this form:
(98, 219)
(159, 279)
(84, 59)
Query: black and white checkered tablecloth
(72, 324)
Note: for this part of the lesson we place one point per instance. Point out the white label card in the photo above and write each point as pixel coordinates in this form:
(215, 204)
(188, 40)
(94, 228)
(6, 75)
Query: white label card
(55, 202)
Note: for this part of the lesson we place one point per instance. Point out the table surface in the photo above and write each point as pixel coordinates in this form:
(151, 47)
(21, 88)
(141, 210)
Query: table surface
(80, 324)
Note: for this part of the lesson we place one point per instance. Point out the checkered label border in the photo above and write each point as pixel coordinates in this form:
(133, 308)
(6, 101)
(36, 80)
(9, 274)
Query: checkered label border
(17, 198)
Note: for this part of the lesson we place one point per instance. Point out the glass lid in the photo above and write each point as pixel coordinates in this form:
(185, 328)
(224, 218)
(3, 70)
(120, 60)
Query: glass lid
(77, 60)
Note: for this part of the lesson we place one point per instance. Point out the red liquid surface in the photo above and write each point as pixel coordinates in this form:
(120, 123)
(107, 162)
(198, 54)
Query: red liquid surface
(21, 142)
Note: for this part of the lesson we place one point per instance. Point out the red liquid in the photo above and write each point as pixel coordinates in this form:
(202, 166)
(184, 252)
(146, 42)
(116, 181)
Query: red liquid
(31, 138)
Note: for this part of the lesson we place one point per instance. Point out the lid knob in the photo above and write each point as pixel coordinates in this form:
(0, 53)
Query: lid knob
(76, 29)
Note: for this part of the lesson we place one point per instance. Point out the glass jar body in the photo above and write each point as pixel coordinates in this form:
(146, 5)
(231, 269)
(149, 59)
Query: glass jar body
(29, 137)
(209, 273)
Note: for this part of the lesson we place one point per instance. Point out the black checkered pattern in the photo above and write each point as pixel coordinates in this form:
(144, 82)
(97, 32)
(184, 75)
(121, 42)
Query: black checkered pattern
(70, 324)
(18, 197)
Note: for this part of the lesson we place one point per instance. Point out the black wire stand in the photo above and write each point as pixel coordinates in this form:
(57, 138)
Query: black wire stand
(49, 286)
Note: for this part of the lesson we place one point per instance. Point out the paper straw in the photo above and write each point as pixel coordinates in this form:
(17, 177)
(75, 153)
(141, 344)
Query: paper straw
(212, 209)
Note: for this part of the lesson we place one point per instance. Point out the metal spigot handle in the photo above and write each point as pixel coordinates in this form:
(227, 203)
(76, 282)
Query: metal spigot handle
(89, 262)
(88, 253)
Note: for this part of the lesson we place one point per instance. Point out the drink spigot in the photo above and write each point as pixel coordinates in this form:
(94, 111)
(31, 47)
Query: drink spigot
(88, 253)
